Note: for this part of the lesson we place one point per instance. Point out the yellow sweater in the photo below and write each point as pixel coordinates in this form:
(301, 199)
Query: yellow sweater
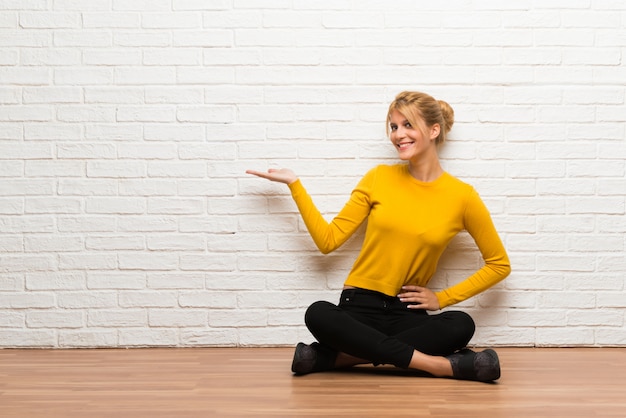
(409, 225)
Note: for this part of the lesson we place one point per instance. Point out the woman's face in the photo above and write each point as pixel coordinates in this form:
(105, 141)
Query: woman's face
(410, 141)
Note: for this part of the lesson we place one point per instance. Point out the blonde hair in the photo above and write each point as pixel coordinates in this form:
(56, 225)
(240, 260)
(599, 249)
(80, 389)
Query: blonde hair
(423, 111)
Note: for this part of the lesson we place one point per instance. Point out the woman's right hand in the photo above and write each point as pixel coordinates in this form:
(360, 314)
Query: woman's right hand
(281, 175)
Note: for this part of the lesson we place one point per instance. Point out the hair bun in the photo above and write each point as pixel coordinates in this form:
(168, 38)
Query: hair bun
(448, 114)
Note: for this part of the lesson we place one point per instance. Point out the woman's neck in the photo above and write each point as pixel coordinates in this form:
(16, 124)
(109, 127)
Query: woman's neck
(426, 170)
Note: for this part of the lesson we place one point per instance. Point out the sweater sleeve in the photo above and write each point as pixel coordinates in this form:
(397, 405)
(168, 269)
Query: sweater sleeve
(496, 266)
(328, 236)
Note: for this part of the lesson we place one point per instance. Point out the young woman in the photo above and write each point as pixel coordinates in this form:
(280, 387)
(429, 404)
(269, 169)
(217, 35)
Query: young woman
(413, 210)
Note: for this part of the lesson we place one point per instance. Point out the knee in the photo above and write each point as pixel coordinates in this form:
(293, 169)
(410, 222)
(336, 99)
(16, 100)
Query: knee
(318, 314)
(464, 326)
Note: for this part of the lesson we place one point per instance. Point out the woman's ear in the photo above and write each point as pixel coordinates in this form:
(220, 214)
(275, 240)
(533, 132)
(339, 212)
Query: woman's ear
(434, 131)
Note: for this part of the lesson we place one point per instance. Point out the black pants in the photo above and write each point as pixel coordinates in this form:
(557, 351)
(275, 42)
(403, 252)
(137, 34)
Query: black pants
(381, 329)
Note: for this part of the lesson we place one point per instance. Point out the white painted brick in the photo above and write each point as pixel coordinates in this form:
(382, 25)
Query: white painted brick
(59, 205)
(587, 282)
(83, 76)
(208, 262)
(55, 319)
(208, 76)
(206, 114)
(147, 261)
(26, 224)
(55, 281)
(234, 19)
(86, 224)
(8, 19)
(534, 318)
(145, 114)
(224, 337)
(175, 280)
(208, 299)
(11, 244)
(604, 205)
(27, 263)
(169, 20)
(54, 56)
(25, 114)
(9, 95)
(115, 205)
(39, 168)
(209, 38)
(117, 318)
(212, 224)
(211, 188)
(46, 243)
(592, 317)
(87, 261)
(88, 339)
(160, 95)
(11, 319)
(147, 299)
(113, 132)
(114, 169)
(107, 19)
(142, 39)
(564, 337)
(609, 337)
(72, 187)
(177, 242)
(26, 38)
(170, 132)
(259, 336)
(142, 5)
(32, 300)
(113, 95)
(55, 20)
(147, 224)
(116, 280)
(144, 76)
(225, 56)
(234, 281)
(11, 206)
(86, 300)
(611, 300)
(148, 338)
(82, 38)
(240, 242)
(28, 338)
(175, 206)
(147, 187)
(177, 318)
(238, 318)
(52, 131)
(114, 243)
(178, 56)
(23, 187)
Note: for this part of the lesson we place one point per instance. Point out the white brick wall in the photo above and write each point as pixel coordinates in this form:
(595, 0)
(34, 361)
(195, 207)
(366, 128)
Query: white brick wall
(126, 218)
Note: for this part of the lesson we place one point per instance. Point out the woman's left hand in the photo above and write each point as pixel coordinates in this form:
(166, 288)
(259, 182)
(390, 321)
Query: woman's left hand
(419, 298)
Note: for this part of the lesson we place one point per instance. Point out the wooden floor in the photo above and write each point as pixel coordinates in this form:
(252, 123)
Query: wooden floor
(257, 382)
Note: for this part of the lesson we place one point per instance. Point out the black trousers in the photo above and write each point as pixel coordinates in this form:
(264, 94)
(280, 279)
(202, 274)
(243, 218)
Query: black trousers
(381, 329)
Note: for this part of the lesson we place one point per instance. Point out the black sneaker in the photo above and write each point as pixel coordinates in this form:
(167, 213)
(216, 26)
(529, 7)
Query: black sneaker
(469, 365)
(304, 359)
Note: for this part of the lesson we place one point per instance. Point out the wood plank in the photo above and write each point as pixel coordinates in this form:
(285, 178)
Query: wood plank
(256, 382)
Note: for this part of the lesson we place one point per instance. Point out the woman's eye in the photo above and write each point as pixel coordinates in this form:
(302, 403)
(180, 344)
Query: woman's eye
(407, 125)
(393, 127)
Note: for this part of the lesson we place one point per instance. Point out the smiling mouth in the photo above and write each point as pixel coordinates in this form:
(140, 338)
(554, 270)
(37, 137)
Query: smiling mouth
(404, 145)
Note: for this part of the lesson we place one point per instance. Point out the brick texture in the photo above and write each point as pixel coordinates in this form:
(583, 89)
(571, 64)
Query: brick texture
(126, 218)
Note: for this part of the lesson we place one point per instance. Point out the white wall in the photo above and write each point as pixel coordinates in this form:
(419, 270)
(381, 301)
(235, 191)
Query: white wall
(126, 218)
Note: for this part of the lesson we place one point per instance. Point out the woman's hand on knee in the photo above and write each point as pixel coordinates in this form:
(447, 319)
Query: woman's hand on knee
(419, 298)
